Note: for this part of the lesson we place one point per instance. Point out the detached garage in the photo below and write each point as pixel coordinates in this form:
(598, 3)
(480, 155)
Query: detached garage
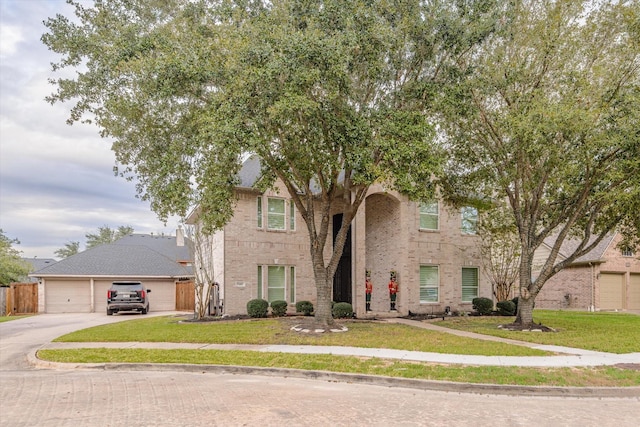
(79, 284)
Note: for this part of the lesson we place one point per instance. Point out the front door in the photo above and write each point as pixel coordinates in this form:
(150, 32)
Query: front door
(342, 278)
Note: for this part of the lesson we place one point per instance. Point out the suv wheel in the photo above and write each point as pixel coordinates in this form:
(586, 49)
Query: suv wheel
(109, 312)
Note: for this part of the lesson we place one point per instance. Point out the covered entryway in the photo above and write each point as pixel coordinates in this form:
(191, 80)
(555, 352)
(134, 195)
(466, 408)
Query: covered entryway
(611, 291)
(383, 237)
(342, 278)
(633, 301)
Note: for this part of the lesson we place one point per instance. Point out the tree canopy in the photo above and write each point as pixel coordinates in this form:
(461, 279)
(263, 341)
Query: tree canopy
(12, 267)
(330, 94)
(546, 115)
(106, 234)
(70, 248)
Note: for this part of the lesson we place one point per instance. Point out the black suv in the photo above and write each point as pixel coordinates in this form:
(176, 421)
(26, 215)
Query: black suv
(127, 296)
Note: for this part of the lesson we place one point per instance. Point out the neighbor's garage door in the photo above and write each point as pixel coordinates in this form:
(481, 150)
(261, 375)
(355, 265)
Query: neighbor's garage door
(611, 291)
(100, 295)
(162, 296)
(634, 293)
(67, 297)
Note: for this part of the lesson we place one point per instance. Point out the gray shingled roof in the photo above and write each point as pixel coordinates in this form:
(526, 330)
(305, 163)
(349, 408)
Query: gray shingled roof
(38, 263)
(165, 245)
(122, 258)
(570, 245)
(249, 172)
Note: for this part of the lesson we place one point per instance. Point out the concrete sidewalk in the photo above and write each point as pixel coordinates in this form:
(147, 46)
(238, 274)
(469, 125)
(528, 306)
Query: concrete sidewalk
(566, 356)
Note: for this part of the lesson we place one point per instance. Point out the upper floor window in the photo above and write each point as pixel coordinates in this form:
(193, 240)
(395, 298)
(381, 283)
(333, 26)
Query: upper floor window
(275, 214)
(429, 216)
(292, 215)
(627, 251)
(259, 211)
(280, 213)
(469, 219)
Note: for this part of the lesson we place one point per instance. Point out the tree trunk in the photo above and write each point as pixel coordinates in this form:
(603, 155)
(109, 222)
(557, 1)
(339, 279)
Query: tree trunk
(324, 289)
(524, 316)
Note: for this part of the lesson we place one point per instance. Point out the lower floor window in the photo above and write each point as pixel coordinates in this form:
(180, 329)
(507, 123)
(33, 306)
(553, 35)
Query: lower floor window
(276, 283)
(429, 283)
(469, 284)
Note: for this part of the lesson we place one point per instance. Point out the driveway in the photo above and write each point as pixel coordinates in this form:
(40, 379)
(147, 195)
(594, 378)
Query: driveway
(144, 397)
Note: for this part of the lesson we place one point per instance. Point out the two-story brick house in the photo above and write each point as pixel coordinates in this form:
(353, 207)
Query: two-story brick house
(263, 252)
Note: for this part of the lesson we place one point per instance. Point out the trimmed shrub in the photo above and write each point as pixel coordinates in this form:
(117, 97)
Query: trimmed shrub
(342, 310)
(506, 308)
(279, 308)
(304, 307)
(484, 306)
(257, 308)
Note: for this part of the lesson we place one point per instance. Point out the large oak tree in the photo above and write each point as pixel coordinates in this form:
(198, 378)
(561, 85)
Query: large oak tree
(547, 117)
(331, 95)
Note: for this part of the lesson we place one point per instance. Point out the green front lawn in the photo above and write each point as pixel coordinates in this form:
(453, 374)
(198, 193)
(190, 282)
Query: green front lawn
(277, 331)
(611, 332)
(601, 331)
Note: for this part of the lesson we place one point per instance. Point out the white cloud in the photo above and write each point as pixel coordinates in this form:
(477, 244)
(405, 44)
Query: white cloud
(10, 37)
(56, 180)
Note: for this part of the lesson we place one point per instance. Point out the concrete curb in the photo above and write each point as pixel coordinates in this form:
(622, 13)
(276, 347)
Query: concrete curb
(447, 386)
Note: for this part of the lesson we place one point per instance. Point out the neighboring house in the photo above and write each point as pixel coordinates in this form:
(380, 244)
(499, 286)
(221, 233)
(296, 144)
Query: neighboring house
(80, 282)
(263, 252)
(607, 278)
(37, 264)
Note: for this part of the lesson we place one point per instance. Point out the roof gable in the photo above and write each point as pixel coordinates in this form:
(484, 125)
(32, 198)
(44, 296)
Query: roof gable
(124, 258)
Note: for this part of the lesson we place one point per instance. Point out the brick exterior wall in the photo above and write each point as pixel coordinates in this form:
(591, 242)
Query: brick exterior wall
(578, 287)
(385, 236)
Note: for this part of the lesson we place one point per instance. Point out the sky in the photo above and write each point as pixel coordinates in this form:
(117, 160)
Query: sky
(56, 181)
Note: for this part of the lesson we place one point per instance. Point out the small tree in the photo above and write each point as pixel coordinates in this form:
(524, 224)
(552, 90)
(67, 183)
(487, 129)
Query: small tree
(12, 267)
(201, 248)
(500, 249)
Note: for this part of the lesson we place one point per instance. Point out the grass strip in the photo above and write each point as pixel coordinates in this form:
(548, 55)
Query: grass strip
(564, 377)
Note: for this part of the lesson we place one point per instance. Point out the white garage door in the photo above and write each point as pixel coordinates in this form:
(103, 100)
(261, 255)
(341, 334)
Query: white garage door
(611, 291)
(634, 293)
(100, 295)
(162, 296)
(67, 297)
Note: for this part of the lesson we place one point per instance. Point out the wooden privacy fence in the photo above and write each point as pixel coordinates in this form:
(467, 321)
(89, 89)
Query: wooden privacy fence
(21, 298)
(185, 296)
